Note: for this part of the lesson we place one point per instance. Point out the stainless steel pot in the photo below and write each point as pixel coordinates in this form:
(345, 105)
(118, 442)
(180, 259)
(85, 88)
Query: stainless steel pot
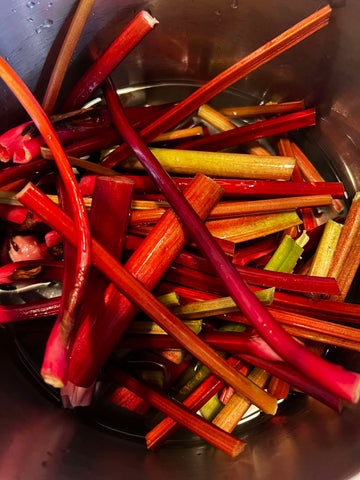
(195, 40)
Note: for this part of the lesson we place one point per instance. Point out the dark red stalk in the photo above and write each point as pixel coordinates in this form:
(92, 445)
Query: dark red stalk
(128, 38)
(256, 249)
(227, 78)
(136, 293)
(27, 170)
(289, 349)
(241, 188)
(230, 342)
(212, 434)
(254, 131)
(296, 379)
(167, 427)
(30, 311)
(201, 279)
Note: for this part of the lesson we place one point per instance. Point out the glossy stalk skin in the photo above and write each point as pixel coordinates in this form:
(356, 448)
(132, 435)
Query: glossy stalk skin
(136, 293)
(108, 226)
(263, 110)
(291, 376)
(238, 187)
(126, 41)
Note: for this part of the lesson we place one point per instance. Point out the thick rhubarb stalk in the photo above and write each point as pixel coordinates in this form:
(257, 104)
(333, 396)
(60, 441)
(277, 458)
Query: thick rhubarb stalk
(136, 293)
(239, 70)
(336, 379)
(108, 226)
(232, 165)
(67, 49)
(214, 435)
(130, 36)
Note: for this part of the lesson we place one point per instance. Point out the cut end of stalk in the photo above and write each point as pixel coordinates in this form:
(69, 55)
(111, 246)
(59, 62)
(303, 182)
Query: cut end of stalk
(152, 21)
(52, 380)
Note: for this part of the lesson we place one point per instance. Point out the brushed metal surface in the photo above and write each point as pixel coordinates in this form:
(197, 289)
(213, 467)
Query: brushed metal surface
(195, 40)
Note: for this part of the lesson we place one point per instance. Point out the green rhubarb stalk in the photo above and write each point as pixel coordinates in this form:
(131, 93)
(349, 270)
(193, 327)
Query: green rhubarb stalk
(218, 306)
(287, 254)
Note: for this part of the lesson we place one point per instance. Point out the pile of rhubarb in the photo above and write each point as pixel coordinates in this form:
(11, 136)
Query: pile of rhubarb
(204, 261)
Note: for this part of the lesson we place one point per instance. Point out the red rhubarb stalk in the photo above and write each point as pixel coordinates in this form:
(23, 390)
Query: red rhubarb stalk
(130, 36)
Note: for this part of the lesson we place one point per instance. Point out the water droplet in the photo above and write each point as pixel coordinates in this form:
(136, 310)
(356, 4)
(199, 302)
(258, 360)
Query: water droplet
(234, 4)
(30, 19)
(47, 23)
(30, 4)
(13, 10)
(50, 4)
(38, 29)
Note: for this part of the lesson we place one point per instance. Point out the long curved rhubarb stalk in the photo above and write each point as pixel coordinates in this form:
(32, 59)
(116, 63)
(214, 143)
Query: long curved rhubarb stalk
(239, 70)
(74, 197)
(346, 385)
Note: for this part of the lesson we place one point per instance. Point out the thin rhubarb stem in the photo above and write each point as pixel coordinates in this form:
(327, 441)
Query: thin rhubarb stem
(67, 49)
(29, 311)
(239, 70)
(136, 293)
(218, 164)
(336, 379)
(311, 174)
(215, 436)
(263, 110)
(27, 170)
(254, 131)
(294, 378)
(126, 41)
(179, 134)
(251, 188)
